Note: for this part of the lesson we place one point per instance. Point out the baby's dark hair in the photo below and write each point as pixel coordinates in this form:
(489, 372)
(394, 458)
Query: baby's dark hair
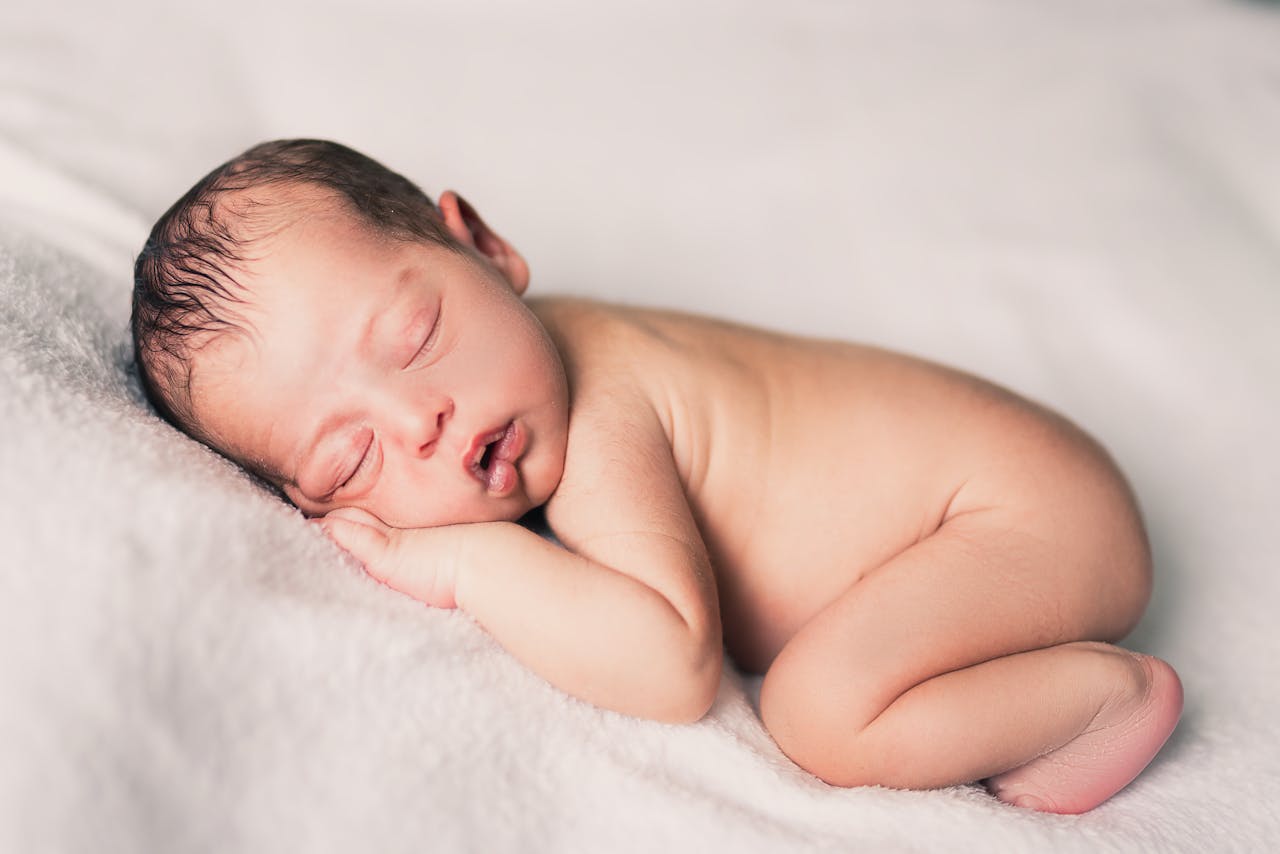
(184, 281)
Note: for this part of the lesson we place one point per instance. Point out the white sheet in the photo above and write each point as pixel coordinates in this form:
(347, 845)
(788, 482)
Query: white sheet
(1079, 200)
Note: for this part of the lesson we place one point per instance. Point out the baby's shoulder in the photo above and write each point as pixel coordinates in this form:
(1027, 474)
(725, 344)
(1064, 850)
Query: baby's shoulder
(587, 323)
(601, 344)
(616, 397)
(617, 374)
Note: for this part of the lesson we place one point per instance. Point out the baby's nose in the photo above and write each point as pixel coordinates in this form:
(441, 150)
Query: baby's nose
(422, 423)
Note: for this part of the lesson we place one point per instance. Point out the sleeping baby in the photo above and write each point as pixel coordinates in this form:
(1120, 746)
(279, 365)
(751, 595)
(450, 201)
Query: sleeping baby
(929, 570)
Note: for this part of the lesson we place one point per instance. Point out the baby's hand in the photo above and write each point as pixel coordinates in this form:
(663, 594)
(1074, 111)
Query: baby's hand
(419, 562)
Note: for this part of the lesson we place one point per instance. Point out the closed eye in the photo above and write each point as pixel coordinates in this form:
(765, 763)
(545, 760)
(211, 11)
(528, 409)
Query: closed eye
(427, 343)
(360, 466)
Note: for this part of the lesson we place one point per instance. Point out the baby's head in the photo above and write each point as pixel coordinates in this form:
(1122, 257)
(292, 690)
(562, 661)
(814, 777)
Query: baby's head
(313, 316)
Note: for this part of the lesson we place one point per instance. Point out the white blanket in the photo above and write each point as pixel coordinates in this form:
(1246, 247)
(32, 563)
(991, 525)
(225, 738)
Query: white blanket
(1079, 200)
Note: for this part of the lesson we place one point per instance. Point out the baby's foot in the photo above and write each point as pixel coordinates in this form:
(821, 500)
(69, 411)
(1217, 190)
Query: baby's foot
(1119, 742)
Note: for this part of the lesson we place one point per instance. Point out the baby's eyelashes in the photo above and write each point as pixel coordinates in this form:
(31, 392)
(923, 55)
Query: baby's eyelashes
(427, 343)
(364, 451)
(366, 470)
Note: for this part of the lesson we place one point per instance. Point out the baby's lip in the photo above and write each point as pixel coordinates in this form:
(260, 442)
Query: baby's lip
(475, 448)
(508, 444)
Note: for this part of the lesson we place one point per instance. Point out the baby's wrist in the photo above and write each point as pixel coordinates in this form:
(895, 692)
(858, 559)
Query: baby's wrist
(464, 549)
(473, 547)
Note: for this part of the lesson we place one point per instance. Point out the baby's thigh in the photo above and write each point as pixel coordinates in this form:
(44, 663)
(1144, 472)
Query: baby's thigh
(1035, 571)
(1062, 526)
(1044, 575)
(991, 581)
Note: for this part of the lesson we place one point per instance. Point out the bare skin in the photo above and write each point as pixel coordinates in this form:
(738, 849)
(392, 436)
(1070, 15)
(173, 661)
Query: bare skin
(929, 570)
(903, 550)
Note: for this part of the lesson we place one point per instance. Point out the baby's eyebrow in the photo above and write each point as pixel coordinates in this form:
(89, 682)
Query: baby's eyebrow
(366, 334)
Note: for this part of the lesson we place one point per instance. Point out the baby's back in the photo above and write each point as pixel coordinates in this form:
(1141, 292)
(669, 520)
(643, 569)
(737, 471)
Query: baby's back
(807, 463)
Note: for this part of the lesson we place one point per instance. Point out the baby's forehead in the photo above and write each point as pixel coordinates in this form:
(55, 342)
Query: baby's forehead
(218, 369)
(257, 216)
(221, 356)
(278, 197)
(293, 250)
(228, 406)
(283, 318)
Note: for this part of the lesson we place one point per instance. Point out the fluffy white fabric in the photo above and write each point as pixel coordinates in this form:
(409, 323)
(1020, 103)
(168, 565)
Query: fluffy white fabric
(1079, 200)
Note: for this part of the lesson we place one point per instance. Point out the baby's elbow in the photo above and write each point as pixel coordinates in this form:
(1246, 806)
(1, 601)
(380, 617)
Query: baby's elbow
(697, 690)
(703, 698)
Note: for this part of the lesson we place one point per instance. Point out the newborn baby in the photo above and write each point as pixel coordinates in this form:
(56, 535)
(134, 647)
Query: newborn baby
(929, 570)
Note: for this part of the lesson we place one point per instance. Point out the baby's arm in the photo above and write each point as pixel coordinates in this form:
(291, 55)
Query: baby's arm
(627, 619)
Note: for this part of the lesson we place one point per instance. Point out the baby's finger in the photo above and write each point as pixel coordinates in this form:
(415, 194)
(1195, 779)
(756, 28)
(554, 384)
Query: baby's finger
(399, 558)
(355, 514)
(365, 543)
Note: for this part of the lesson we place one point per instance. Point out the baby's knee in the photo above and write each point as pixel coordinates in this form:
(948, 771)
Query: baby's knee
(1123, 677)
(815, 730)
(786, 707)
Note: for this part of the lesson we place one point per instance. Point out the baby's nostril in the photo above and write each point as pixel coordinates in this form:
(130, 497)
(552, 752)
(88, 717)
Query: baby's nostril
(443, 415)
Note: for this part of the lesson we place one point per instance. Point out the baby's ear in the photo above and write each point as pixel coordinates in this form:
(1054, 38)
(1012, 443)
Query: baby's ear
(470, 230)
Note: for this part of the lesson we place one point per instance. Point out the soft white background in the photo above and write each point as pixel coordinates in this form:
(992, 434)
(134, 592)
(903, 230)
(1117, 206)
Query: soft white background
(1079, 200)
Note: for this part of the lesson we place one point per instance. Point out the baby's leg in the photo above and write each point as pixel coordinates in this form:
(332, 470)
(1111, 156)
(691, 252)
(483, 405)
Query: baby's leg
(958, 660)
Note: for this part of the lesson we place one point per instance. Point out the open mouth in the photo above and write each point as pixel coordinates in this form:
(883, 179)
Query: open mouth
(484, 449)
(492, 458)
(487, 456)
